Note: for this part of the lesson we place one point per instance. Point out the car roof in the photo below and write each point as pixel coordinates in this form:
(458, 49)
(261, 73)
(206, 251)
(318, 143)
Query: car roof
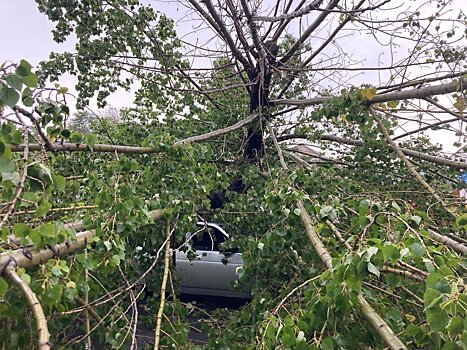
(212, 224)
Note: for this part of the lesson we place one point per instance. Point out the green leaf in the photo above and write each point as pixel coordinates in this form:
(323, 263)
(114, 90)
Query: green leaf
(327, 344)
(460, 103)
(431, 297)
(437, 318)
(3, 287)
(413, 330)
(393, 104)
(417, 250)
(9, 96)
(53, 294)
(369, 93)
(24, 276)
(48, 230)
(4, 232)
(70, 293)
(373, 269)
(44, 170)
(451, 346)
(14, 81)
(30, 80)
(417, 219)
(62, 90)
(456, 326)
(65, 133)
(26, 97)
(396, 206)
(297, 211)
(239, 271)
(20, 229)
(390, 252)
(90, 140)
(13, 177)
(6, 165)
(461, 221)
(23, 69)
(36, 238)
(56, 271)
(59, 182)
(43, 208)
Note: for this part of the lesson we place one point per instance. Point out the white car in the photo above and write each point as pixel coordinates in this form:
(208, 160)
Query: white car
(211, 270)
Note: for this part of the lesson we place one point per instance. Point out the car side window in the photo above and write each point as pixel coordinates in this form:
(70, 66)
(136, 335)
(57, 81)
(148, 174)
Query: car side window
(208, 239)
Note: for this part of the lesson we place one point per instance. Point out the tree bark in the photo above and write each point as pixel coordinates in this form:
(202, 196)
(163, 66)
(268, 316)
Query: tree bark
(41, 322)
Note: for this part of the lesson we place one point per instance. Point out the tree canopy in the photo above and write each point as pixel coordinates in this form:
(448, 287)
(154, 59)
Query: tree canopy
(321, 134)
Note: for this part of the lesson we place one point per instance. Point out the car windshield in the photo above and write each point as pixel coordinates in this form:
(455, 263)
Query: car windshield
(208, 239)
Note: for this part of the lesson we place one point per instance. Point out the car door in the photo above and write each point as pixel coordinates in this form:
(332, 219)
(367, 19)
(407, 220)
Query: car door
(210, 272)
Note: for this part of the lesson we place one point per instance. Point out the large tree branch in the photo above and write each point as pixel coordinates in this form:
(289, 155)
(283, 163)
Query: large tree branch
(81, 147)
(408, 152)
(29, 257)
(72, 147)
(392, 96)
(418, 93)
(36, 307)
(160, 312)
(457, 246)
(219, 132)
(378, 323)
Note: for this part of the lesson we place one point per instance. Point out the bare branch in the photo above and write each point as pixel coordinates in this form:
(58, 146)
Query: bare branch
(160, 312)
(226, 34)
(36, 307)
(288, 16)
(49, 146)
(219, 132)
(308, 32)
(408, 152)
(285, 23)
(457, 246)
(418, 93)
(318, 50)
